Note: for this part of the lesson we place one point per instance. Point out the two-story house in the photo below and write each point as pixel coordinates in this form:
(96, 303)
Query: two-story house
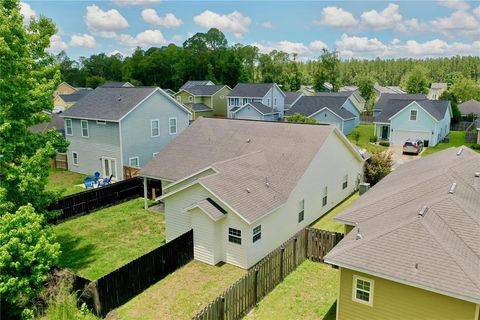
(113, 127)
(257, 101)
(205, 99)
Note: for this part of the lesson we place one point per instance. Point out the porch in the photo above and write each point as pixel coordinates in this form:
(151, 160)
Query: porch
(382, 131)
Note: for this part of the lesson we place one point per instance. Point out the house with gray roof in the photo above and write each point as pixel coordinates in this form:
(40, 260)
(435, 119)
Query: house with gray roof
(436, 90)
(341, 109)
(205, 99)
(245, 186)
(399, 117)
(117, 84)
(291, 98)
(413, 246)
(113, 127)
(379, 90)
(256, 101)
(192, 83)
(470, 107)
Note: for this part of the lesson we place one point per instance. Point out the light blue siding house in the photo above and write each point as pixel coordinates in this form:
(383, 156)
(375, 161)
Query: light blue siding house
(341, 109)
(116, 127)
(404, 117)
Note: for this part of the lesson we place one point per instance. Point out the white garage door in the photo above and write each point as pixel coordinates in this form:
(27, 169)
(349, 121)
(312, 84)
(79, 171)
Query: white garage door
(399, 137)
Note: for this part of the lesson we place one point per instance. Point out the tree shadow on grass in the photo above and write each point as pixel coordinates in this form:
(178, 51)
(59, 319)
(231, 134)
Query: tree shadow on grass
(74, 255)
(332, 312)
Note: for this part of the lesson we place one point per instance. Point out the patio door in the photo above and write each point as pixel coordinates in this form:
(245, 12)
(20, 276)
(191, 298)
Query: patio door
(109, 167)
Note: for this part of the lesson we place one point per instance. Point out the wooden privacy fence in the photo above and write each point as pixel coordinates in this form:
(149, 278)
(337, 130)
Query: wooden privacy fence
(471, 136)
(242, 296)
(130, 172)
(60, 161)
(121, 285)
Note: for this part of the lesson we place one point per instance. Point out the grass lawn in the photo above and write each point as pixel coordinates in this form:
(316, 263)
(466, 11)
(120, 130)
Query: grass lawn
(326, 222)
(457, 139)
(66, 181)
(310, 292)
(181, 294)
(366, 132)
(98, 243)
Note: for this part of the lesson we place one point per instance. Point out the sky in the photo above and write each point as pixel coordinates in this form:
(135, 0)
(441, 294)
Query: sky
(360, 29)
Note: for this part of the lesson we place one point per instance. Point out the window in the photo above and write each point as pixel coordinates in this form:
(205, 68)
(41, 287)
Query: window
(275, 101)
(134, 162)
(345, 182)
(179, 98)
(268, 102)
(190, 98)
(363, 290)
(301, 211)
(84, 125)
(155, 127)
(75, 158)
(155, 154)
(324, 197)
(235, 235)
(101, 122)
(172, 125)
(222, 97)
(257, 233)
(413, 115)
(68, 127)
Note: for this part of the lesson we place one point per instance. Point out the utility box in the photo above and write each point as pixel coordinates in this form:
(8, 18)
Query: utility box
(363, 187)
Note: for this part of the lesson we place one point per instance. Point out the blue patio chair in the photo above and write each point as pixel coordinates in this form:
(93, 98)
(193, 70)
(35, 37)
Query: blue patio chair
(88, 182)
(96, 176)
(105, 181)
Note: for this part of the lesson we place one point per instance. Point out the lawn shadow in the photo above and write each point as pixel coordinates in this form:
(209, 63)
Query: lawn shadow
(332, 312)
(74, 256)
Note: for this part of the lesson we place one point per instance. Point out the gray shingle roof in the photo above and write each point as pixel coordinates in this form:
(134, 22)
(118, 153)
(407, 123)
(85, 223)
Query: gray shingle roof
(290, 97)
(253, 90)
(244, 154)
(114, 84)
(388, 89)
(263, 109)
(204, 90)
(74, 97)
(470, 106)
(109, 104)
(193, 83)
(444, 244)
(309, 105)
(56, 122)
(197, 107)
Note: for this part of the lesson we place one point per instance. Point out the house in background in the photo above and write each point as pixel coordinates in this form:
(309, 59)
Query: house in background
(170, 92)
(64, 88)
(307, 90)
(117, 84)
(113, 127)
(204, 99)
(379, 90)
(245, 187)
(399, 117)
(56, 122)
(291, 98)
(341, 109)
(470, 108)
(436, 90)
(61, 102)
(413, 251)
(256, 101)
(193, 83)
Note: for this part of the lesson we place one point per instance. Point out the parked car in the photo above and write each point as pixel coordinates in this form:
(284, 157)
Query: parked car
(413, 146)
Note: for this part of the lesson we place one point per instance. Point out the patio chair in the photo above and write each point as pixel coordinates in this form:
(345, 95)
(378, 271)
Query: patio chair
(88, 182)
(105, 181)
(96, 176)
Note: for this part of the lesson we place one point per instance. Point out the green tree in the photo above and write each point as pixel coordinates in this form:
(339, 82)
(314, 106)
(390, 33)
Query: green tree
(94, 81)
(456, 114)
(465, 89)
(415, 81)
(328, 71)
(365, 85)
(298, 118)
(378, 166)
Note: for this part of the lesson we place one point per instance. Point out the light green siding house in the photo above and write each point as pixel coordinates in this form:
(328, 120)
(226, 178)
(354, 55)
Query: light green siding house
(115, 127)
(413, 250)
(204, 99)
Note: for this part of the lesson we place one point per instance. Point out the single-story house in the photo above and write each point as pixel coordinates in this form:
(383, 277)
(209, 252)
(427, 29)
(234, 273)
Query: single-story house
(413, 246)
(113, 127)
(436, 90)
(470, 107)
(399, 117)
(342, 109)
(245, 187)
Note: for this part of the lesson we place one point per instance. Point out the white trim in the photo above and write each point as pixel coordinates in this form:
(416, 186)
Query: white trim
(116, 167)
(155, 154)
(477, 312)
(81, 129)
(316, 112)
(190, 176)
(103, 122)
(66, 127)
(248, 103)
(337, 311)
(73, 158)
(151, 127)
(296, 100)
(170, 126)
(370, 292)
(75, 89)
(416, 115)
(205, 95)
(195, 205)
(121, 149)
(83, 118)
(254, 234)
(408, 105)
(130, 161)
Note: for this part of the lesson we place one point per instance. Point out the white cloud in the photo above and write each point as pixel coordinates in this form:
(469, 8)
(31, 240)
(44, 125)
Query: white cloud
(126, 3)
(57, 44)
(455, 4)
(285, 46)
(267, 25)
(83, 41)
(317, 45)
(27, 12)
(457, 21)
(104, 23)
(168, 21)
(234, 22)
(116, 52)
(385, 19)
(146, 38)
(476, 11)
(337, 17)
(350, 46)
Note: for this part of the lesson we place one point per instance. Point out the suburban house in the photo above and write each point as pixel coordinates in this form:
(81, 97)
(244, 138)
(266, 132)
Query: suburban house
(204, 99)
(245, 187)
(413, 251)
(117, 84)
(379, 90)
(399, 117)
(193, 83)
(469, 108)
(307, 90)
(61, 102)
(113, 127)
(291, 98)
(64, 88)
(341, 109)
(56, 122)
(436, 90)
(256, 101)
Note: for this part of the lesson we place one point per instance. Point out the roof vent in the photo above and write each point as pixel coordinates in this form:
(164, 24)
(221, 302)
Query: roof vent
(460, 151)
(267, 184)
(249, 140)
(358, 236)
(248, 190)
(416, 266)
(423, 212)
(119, 99)
(477, 174)
(452, 188)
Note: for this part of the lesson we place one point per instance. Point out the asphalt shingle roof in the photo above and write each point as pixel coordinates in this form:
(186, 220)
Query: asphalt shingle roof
(200, 107)
(439, 251)
(470, 106)
(308, 105)
(290, 97)
(56, 122)
(204, 90)
(265, 110)
(114, 84)
(74, 97)
(193, 83)
(253, 90)
(109, 104)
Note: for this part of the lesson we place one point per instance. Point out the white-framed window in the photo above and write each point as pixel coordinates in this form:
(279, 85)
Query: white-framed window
(172, 125)
(363, 290)
(134, 162)
(268, 102)
(155, 127)
(324, 196)
(413, 115)
(101, 122)
(234, 235)
(68, 127)
(345, 181)
(75, 158)
(190, 98)
(155, 154)
(275, 101)
(179, 98)
(84, 126)
(301, 211)
(257, 233)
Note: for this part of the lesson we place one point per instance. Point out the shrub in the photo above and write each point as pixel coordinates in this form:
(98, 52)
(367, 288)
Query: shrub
(373, 139)
(476, 146)
(378, 166)
(356, 136)
(384, 143)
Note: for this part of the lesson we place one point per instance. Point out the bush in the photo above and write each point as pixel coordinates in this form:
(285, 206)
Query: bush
(373, 139)
(476, 147)
(384, 143)
(378, 166)
(356, 136)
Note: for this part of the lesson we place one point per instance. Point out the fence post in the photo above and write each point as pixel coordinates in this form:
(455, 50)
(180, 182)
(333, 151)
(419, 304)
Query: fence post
(255, 286)
(295, 252)
(222, 308)
(282, 260)
(307, 233)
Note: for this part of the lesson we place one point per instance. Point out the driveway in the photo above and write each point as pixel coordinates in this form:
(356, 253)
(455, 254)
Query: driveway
(399, 158)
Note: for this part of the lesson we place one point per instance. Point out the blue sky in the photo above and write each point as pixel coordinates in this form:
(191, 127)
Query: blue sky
(363, 29)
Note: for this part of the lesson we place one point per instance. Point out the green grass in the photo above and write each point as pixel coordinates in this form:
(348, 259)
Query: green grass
(309, 292)
(326, 222)
(366, 132)
(181, 294)
(98, 243)
(65, 181)
(457, 139)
